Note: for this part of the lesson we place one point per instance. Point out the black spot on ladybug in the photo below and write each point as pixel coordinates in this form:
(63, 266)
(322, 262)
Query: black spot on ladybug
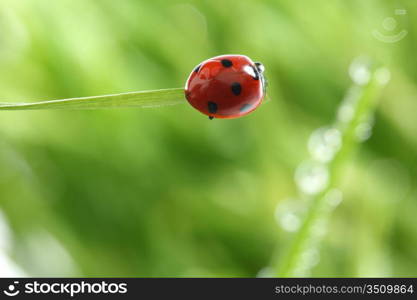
(227, 63)
(197, 68)
(212, 107)
(245, 107)
(211, 117)
(236, 88)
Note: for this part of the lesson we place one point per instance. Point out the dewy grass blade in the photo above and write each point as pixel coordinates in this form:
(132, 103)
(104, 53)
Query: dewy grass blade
(152, 98)
(362, 104)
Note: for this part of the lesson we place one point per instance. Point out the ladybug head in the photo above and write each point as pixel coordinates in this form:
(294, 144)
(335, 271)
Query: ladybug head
(260, 67)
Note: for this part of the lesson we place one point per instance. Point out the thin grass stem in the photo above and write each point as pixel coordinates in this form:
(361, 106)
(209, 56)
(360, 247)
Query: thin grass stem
(152, 98)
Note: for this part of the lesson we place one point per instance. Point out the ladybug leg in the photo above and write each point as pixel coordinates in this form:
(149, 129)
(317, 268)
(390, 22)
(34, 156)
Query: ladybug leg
(211, 117)
(264, 83)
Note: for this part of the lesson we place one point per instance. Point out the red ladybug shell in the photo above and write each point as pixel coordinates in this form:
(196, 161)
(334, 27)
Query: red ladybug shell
(226, 86)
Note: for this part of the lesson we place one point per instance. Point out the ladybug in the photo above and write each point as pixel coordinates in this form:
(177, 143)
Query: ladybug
(226, 86)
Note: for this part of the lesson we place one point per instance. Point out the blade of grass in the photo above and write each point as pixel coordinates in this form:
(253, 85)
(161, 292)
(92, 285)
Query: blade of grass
(153, 98)
(363, 105)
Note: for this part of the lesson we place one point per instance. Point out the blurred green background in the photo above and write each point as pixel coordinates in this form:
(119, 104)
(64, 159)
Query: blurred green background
(165, 191)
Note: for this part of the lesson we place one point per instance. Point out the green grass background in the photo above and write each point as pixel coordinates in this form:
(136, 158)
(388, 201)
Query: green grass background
(165, 191)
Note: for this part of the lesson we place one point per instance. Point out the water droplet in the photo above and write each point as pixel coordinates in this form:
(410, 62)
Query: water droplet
(324, 143)
(287, 214)
(290, 222)
(345, 112)
(359, 71)
(334, 197)
(363, 131)
(346, 109)
(311, 177)
(382, 76)
(266, 272)
(310, 258)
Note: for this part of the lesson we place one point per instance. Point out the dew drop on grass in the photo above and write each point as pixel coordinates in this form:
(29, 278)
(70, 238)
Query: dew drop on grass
(383, 75)
(267, 272)
(311, 177)
(359, 71)
(334, 197)
(324, 143)
(290, 222)
(288, 214)
(363, 131)
(310, 258)
(345, 112)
